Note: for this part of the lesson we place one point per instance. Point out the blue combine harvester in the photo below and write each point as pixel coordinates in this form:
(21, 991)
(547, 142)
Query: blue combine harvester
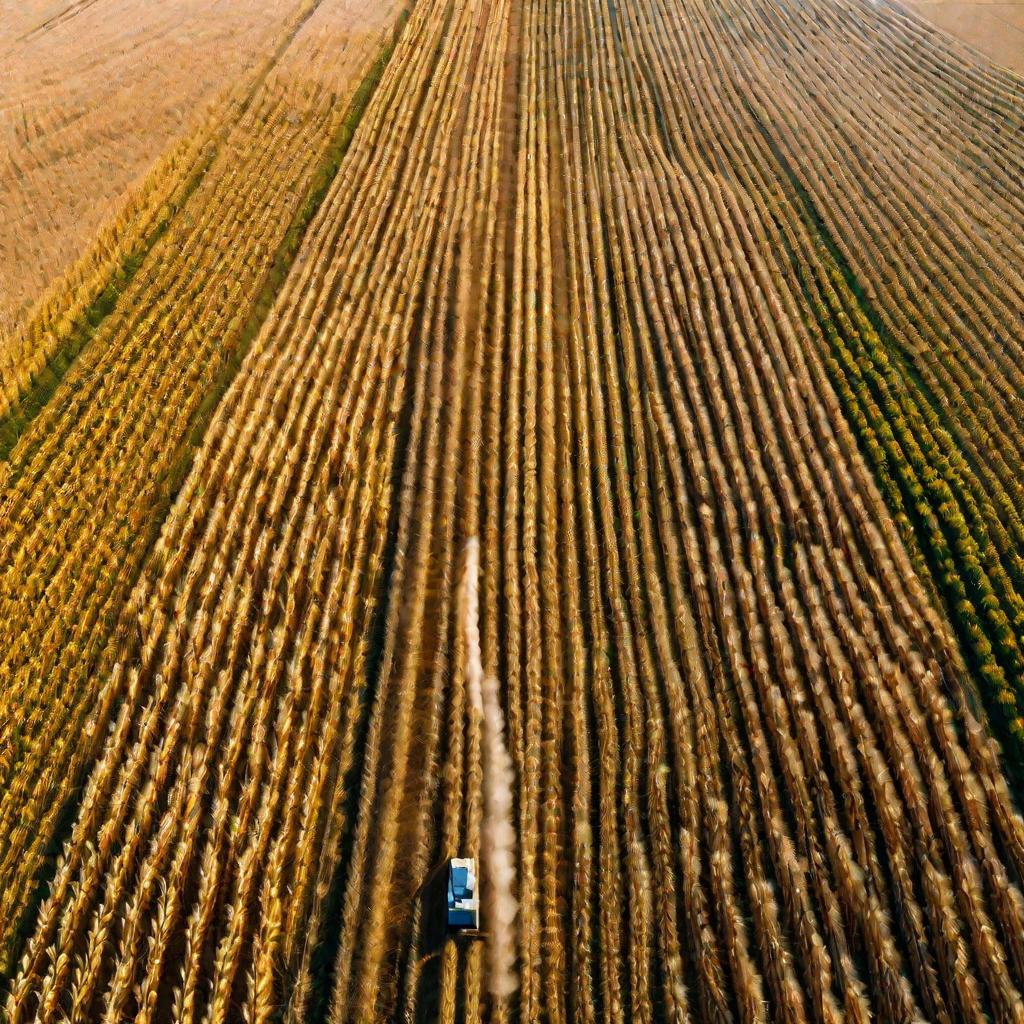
(450, 898)
(463, 897)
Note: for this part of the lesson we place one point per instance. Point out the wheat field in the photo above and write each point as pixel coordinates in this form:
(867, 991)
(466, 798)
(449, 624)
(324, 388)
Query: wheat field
(585, 437)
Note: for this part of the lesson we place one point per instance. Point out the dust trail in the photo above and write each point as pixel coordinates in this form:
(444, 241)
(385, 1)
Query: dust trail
(498, 838)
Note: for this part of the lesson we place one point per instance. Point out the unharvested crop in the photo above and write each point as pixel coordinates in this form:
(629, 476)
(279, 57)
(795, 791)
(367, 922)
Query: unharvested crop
(623, 488)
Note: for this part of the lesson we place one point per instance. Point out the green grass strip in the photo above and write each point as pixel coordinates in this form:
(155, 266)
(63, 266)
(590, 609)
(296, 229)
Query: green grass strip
(936, 557)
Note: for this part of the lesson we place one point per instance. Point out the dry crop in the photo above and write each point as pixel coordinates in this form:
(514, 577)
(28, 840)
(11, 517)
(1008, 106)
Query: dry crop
(706, 320)
(91, 94)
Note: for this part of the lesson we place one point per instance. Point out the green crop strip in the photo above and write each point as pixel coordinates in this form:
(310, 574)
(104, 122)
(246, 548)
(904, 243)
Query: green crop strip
(928, 490)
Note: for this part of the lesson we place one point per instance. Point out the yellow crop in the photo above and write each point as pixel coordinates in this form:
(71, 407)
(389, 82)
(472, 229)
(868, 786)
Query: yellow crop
(700, 324)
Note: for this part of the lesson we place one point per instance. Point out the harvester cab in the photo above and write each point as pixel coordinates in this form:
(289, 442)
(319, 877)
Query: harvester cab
(450, 897)
(463, 895)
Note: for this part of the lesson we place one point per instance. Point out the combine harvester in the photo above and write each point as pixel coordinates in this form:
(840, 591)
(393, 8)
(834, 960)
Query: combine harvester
(451, 901)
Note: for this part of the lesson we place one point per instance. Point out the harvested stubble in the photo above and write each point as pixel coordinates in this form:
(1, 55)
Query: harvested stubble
(91, 94)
